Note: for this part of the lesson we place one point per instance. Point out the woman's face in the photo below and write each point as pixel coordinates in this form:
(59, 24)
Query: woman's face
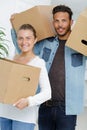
(26, 40)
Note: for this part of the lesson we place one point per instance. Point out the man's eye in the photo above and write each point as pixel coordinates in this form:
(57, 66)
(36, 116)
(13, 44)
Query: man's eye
(64, 20)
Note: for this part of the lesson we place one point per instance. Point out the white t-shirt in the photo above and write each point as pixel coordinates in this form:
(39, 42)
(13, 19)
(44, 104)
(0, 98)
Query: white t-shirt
(30, 113)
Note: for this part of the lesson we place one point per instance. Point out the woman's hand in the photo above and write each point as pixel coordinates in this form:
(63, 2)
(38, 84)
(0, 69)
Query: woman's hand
(22, 103)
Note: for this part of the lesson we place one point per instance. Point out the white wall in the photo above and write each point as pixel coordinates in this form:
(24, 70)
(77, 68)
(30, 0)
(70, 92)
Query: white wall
(5, 11)
(76, 5)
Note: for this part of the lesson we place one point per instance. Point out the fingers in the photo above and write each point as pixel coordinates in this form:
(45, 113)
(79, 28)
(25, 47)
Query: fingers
(21, 104)
(12, 18)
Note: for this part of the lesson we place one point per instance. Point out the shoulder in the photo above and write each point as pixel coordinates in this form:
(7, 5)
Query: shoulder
(44, 41)
(16, 57)
(40, 44)
(50, 39)
(38, 62)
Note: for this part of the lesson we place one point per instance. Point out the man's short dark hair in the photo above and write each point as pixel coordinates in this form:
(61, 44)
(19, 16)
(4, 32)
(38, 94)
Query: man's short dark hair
(62, 8)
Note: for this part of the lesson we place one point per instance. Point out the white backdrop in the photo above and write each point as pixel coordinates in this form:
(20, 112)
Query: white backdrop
(76, 5)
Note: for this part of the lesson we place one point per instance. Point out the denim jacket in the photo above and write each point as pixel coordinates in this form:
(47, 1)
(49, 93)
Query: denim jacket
(74, 72)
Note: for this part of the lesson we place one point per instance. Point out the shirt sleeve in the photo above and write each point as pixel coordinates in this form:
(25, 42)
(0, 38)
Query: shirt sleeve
(45, 88)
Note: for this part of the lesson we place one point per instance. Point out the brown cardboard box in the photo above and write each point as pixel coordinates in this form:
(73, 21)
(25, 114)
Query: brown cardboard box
(17, 81)
(78, 37)
(40, 17)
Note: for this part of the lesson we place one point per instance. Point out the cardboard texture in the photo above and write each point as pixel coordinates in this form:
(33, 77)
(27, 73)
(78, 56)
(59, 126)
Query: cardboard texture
(17, 81)
(78, 37)
(41, 19)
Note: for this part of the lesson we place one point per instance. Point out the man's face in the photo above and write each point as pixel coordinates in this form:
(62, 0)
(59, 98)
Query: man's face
(62, 24)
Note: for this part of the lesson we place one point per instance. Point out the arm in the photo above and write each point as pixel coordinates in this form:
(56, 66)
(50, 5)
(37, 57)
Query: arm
(45, 89)
(14, 39)
(13, 34)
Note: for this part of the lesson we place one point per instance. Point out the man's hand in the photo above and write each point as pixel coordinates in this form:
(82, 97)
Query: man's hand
(12, 18)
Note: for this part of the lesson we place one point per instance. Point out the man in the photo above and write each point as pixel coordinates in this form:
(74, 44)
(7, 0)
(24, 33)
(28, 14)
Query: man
(66, 73)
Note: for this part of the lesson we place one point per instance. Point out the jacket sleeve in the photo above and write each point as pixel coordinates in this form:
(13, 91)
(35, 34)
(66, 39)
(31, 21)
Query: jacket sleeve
(14, 39)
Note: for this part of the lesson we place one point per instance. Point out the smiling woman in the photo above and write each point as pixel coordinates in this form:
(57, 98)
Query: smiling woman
(23, 113)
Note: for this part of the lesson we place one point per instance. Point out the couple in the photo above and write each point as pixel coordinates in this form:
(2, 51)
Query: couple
(65, 68)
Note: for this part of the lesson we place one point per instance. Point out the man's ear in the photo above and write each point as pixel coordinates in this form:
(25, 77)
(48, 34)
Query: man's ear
(72, 23)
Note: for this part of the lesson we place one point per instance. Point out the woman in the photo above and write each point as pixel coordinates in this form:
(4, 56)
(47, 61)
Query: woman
(22, 115)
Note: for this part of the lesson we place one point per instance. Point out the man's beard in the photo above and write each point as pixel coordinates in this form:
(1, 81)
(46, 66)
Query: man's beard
(61, 35)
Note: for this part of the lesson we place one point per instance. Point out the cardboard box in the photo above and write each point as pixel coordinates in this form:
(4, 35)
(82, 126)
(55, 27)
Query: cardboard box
(41, 19)
(78, 37)
(17, 81)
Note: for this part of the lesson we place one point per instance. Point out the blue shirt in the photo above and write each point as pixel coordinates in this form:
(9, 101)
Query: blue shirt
(74, 71)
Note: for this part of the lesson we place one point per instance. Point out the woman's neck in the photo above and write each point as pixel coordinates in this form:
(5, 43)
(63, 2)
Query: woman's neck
(24, 57)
